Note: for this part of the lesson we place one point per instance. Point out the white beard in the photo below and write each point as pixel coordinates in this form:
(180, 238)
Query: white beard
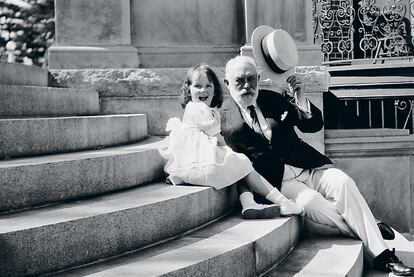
(247, 100)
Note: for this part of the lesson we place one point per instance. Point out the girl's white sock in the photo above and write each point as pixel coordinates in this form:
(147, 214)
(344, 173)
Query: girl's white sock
(246, 199)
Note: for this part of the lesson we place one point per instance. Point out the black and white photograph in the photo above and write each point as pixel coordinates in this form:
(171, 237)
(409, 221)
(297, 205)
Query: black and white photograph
(209, 138)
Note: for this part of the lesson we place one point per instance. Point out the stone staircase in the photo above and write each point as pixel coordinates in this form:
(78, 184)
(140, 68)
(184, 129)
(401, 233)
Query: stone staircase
(83, 194)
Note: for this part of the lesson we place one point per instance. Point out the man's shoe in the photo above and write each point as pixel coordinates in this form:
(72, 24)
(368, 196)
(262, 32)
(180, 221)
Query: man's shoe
(261, 211)
(388, 261)
(290, 208)
(386, 231)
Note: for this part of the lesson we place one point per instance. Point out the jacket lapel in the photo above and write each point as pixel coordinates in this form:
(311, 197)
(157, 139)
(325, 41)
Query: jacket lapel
(233, 116)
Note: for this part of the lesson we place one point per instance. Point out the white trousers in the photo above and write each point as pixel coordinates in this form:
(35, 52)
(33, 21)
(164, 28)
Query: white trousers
(331, 198)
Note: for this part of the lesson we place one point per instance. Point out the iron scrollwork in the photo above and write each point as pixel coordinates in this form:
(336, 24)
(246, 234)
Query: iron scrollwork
(333, 27)
(404, 105)
(383, 30)
(345, 17)
(368, 15)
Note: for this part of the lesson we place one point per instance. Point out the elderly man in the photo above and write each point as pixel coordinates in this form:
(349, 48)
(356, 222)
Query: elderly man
(260, 124)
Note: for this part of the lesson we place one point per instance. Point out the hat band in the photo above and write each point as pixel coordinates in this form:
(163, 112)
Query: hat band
(269, 60)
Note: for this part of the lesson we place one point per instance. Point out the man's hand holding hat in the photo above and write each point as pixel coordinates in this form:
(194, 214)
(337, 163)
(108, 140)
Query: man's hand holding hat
(296, 88)
(276, 55)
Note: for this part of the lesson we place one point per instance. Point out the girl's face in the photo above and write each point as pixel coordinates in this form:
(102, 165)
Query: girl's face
(201, 89)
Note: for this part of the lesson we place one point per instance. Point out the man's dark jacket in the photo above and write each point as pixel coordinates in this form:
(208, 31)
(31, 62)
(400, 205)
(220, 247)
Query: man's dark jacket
(285, 147)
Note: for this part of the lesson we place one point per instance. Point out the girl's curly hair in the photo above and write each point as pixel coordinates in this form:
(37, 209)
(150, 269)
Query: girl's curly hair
(185, 96)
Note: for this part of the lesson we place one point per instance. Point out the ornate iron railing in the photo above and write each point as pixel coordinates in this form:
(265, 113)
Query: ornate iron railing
(377, 111)
(407, 105)
(364, 29)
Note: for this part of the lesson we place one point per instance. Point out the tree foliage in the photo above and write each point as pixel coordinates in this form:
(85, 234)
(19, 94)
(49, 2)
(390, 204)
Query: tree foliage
(27, 25)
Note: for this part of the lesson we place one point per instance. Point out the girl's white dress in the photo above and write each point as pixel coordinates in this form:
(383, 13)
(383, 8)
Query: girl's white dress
(193, 155)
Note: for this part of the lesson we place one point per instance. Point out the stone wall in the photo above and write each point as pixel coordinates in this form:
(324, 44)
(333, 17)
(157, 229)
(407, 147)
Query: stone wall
(170, 34)
(381, 163)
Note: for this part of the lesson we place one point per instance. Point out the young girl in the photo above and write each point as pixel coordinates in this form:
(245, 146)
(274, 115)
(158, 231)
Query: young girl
(197, 153)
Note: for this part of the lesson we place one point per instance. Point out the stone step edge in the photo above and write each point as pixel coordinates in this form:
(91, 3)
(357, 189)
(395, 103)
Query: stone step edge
(248, 247)
(370, 132)
(71, 117)
(46, 88)
(26, 101)
(40, 136)
(363, 66)
(372, 139)
(371, 93)
(358, 81)
(17, 221)
(369, 146)
(281, 261)
(20, 74)
(315, 252)
(150, 143)
(105, 226)
(149, 247)
(33, 190)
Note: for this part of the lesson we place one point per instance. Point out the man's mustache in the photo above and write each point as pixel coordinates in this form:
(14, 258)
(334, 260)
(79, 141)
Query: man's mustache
(248, 93)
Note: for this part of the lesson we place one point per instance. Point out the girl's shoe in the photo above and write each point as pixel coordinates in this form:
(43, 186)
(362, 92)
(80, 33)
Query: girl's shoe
(261, 211)
(289, 208)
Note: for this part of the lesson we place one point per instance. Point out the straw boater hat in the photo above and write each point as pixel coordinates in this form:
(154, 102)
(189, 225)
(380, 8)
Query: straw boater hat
(275, 53)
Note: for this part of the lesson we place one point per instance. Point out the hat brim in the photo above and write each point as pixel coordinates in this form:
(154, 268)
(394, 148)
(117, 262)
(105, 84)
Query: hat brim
(256, 40)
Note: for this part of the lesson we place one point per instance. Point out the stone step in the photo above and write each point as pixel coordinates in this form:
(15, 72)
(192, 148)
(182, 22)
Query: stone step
(20, 74)
(323, 257)
(38, 136)
(54, 238)
(372, 93)
(24, 101)
(34, 181)
(373, 132)
(391, 145)
(364, 81)
(230, 247)
(396, 67)
(157, 108)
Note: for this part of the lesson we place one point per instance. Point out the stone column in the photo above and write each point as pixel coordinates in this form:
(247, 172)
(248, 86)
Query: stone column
(182, 33)
(294, 16)
(249, 25)
(92, 34)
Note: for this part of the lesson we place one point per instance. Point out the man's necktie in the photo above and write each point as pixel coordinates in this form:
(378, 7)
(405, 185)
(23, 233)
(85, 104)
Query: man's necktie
(255, 122)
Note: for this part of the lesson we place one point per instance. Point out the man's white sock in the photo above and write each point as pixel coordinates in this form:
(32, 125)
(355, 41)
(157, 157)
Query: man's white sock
(275, 196)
